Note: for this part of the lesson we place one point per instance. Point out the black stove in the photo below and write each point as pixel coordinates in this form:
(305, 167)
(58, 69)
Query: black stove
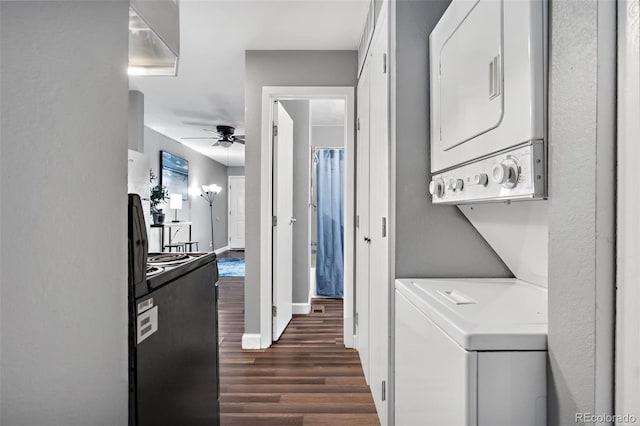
(164, 268)
(173, 343)
(167, 258)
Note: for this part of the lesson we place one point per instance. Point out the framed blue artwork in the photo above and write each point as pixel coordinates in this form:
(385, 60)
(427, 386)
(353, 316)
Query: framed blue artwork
(175, 174)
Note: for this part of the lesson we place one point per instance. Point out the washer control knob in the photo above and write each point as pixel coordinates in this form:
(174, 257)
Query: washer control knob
(506, 173)
(481, 179)
(436, 188)
(458, 184)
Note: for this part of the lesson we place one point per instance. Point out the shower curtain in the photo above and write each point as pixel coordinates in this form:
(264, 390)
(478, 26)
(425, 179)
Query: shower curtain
(330, 202)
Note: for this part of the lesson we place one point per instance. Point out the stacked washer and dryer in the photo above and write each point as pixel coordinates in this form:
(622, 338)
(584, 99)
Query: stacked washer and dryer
(473, 351)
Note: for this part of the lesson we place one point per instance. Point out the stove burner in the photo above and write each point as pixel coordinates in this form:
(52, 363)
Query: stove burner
(153, 270)
(164, 258)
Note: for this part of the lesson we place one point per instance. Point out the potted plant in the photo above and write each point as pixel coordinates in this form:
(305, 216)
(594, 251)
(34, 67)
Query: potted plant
(158, 195)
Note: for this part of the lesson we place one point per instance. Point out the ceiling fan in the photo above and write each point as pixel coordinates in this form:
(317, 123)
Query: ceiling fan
(225, 136)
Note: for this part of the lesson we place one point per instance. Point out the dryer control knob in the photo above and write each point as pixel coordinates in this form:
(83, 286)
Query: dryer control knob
(481, 179)
(436, 188)
(500, 173)
(506, 173)
(451, 185)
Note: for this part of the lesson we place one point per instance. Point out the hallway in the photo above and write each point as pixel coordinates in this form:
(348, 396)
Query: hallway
(307, 378)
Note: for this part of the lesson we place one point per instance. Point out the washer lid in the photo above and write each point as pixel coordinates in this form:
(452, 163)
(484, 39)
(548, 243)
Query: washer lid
(483, 314)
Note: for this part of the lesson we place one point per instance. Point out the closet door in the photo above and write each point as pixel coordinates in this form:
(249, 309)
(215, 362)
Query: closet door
(379, 280)
(362, 224)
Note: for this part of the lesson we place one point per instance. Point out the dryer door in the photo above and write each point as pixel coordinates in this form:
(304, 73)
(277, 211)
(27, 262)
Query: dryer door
(471, 76)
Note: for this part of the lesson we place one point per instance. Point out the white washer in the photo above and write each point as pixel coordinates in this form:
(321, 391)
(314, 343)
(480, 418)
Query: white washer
(470, 352)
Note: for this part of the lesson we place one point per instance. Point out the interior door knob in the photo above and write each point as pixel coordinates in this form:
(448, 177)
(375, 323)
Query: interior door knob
(292, 221)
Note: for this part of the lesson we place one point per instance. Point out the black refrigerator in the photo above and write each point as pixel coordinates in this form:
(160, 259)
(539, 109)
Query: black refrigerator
(173, 333)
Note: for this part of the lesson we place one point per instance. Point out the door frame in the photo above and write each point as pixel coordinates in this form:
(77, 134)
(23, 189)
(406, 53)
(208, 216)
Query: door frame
(269, 95)
(627, 344)
(229, 179)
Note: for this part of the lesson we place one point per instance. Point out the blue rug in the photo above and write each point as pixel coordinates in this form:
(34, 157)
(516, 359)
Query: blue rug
(231, 267)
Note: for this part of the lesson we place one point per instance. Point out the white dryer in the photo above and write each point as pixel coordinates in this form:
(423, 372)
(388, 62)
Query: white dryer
(488, 72)
(470, 352)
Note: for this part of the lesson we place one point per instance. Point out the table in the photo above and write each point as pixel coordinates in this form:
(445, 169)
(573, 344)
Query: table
(170, 225)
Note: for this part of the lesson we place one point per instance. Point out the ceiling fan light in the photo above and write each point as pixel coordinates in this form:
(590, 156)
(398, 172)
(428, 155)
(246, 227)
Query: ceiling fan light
(226, 143)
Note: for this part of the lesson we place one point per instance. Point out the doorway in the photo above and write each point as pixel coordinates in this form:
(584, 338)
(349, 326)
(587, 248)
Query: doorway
(236, 212)
(269, 309)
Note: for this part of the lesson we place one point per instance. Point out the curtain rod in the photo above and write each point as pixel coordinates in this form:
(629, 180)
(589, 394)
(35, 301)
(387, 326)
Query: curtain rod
(315, 148)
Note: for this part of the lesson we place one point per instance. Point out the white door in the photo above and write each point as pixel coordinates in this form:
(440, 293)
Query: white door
(362, 224)
(236, 212)
(379, 284)
(283, 219)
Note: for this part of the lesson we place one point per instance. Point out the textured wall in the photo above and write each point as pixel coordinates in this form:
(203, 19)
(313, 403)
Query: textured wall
(431, 241)
(581, 214)
(277, 68)
(64, 221)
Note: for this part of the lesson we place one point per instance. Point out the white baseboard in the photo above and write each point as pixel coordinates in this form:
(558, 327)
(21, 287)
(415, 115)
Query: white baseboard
(300, 308)
(251, 341)
(221, 250)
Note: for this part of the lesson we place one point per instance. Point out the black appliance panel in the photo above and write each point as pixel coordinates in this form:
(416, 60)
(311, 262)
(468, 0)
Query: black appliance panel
(177, 377)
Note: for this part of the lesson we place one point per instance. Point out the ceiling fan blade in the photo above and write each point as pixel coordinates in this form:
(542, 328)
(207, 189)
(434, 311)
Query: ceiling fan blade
(240, 141)
(202, 137)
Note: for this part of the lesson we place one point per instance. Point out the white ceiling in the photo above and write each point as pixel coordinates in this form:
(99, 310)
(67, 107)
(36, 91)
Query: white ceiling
(209, 88)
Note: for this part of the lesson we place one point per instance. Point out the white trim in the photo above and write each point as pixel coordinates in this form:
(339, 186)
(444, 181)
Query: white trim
(269, 95)
(627, 351)
(221, 250)
(250, 341)
(301, 308)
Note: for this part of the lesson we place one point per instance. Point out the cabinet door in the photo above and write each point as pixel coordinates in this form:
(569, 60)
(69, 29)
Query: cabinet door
(435, 379)
(362, 229)
(471, 75)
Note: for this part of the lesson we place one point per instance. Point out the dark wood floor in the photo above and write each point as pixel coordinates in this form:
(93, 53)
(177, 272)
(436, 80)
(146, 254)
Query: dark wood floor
(307, 378)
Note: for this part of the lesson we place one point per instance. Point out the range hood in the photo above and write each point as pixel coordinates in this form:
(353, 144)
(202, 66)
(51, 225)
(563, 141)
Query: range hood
(154, 37)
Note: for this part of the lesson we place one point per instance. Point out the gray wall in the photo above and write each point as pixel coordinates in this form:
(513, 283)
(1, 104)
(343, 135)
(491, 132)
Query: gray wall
(202, 171)
(431, 241)
(327, 136)
(299, 112)
(235, 171)
(581, 214)
(64, 222)
(277, 68)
